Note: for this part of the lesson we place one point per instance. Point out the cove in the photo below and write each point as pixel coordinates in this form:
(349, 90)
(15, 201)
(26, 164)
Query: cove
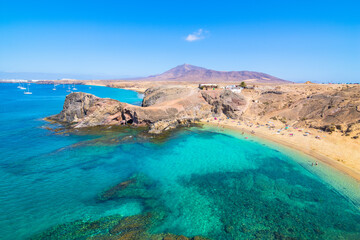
(117, 181)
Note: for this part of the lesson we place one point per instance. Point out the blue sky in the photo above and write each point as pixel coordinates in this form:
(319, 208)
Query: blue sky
(293, 40)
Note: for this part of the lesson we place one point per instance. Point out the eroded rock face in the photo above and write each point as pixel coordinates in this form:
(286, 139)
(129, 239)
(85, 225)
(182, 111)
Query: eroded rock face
(164, 108)
(158, 95)
(324, 110)
(329, 108)
(76, 106)
(226, 102)
(86, 110)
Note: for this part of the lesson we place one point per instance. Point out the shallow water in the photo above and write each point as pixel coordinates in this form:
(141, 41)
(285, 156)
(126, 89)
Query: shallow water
(201, 182)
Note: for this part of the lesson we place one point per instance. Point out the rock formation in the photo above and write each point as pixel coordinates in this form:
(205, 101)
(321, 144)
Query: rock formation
(329, 108)
(226, 102)
(163, 108)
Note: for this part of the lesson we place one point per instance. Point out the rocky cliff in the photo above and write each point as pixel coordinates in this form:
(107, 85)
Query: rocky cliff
(225, 102)
(163, 108)
(325, 107)
(329, 108)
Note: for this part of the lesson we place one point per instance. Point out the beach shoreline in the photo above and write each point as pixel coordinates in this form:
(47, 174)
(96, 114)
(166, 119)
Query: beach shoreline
(339, 152)
(347, 167)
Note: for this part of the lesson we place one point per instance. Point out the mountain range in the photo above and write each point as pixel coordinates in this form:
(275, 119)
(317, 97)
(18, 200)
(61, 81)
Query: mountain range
(190, 73)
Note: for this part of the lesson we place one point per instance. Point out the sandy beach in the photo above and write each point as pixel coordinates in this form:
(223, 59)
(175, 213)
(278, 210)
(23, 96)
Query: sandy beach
(339, 152)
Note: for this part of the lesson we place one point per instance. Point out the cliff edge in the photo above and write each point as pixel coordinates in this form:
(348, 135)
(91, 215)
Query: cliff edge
(163, 108)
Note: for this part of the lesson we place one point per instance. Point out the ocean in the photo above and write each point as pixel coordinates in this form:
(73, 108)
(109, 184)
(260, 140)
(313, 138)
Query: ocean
(195, 181)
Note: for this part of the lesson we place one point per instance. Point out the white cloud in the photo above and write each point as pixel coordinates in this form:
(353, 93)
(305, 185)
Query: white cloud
(196, 36)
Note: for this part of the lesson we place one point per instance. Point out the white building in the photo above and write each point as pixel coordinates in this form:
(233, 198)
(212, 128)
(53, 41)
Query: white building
(234, 88)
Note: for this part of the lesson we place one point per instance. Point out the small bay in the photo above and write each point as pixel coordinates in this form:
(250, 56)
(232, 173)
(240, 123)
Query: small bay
(201, 181)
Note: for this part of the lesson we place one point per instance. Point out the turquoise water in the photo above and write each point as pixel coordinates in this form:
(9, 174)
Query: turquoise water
(195, 182)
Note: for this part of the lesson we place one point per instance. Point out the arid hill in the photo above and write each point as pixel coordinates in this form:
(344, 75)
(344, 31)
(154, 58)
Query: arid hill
(326, 107)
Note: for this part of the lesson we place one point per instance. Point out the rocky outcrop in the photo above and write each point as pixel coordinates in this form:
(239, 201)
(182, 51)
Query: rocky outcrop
(323, 111)
(166, 107)
(79, 106)
(226, 102)
(86, 110)
(157, 95)
(329, 108)
(163, 108)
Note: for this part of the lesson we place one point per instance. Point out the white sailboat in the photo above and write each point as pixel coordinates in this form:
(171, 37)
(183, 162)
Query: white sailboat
(68, 90)
(21, 87)
(74, 88)
(28, 91)
(54, 88)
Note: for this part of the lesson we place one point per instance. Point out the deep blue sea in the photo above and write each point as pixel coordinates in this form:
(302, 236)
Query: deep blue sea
(195, 181)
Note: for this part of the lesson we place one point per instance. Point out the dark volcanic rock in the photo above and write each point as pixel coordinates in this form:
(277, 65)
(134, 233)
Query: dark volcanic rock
(139, 186)
(112, 192)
